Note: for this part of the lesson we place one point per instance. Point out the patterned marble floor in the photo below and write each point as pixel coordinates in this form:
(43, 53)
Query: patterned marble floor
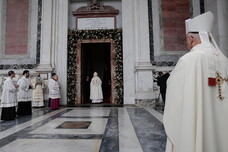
(85, 129)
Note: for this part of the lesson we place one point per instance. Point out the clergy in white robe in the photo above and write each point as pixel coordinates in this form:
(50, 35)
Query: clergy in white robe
(54, 92)
(196, 110)
(24, 95)
(9, 98)
(96, 94)
(37, 93)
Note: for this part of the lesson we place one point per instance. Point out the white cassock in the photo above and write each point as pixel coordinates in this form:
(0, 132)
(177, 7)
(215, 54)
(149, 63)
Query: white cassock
(96, 94)
(24, 93)
(9, 94)
(54, 89)
(195, 117)
(37, 93)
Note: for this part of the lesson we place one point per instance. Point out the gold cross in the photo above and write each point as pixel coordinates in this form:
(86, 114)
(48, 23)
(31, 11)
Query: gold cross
(219, 81)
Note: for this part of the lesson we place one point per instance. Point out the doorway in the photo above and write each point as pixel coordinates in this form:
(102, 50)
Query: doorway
(95, 57)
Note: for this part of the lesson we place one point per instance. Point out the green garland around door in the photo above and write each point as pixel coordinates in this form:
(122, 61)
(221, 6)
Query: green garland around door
(77, 35)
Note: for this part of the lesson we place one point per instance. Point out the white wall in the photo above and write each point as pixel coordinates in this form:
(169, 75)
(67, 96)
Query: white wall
(220, 30)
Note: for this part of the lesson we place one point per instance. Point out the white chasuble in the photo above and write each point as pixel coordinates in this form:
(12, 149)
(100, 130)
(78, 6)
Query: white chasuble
(9, 94)
(24, 93)
(196, 115)
(96, 94)
(37, 93)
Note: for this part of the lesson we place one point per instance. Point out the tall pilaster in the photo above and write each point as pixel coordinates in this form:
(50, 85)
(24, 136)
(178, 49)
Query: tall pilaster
(61, 46)
(138, 70)
(46, 36)
(143, 68)
(128, 50)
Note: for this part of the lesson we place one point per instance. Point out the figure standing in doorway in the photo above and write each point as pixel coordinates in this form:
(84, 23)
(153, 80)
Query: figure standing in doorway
(96, 94)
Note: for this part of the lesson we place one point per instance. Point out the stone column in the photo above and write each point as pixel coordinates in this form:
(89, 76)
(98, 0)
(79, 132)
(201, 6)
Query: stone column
(143, 68)
(54, 42)
(128, 15)
(138, 79)
(46, 37)
(60, 46)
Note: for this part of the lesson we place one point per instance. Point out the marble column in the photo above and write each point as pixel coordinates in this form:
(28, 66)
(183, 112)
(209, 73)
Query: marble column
(54, 42)
(128, 15)
(143, 68)
(46, 37)
(138, 79)
(60, 46)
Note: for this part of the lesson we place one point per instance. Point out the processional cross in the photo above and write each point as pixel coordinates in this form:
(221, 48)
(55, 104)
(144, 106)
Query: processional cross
(219, 81)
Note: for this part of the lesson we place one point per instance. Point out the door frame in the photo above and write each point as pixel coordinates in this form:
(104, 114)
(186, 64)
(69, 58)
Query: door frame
(79, 65)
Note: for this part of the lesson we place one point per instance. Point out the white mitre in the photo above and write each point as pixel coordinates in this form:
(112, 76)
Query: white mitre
(203, 25)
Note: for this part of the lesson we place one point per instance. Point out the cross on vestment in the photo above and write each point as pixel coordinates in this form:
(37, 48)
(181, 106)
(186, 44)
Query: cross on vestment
(219, 81)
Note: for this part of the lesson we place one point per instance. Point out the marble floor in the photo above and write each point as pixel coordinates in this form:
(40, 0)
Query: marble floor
(85, 129)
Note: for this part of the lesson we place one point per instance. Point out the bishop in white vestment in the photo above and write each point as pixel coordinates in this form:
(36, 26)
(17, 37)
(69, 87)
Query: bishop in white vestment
(37, 93)
(24, 95)
(96, 94)
(9, 98)
(196, 110)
